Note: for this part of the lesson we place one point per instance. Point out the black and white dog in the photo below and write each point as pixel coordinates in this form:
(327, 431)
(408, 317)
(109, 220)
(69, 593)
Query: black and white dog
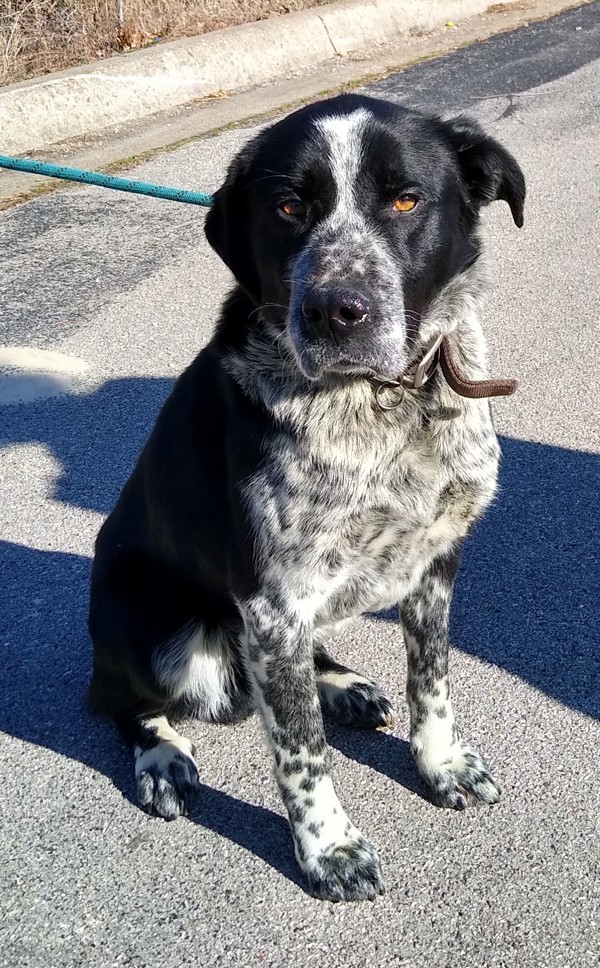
(312, 464)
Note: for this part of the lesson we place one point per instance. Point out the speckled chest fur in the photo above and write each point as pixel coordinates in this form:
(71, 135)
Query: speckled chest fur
(352, 502)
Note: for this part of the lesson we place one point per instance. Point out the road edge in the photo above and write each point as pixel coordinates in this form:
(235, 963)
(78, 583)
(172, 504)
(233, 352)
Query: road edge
(85, 100)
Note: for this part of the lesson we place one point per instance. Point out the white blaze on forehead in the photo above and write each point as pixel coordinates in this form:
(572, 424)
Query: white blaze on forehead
(343, 136)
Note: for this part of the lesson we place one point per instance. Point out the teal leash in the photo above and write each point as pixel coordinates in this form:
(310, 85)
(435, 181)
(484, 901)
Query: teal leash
(105, 181)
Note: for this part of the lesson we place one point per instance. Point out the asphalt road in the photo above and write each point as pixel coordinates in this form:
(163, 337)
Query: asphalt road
(129, 287)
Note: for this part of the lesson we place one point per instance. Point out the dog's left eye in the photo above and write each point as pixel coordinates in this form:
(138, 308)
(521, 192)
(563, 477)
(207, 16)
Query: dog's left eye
(293, 208)
(405, 203)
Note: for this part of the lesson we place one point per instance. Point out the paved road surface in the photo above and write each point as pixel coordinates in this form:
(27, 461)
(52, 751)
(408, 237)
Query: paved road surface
(129, 287)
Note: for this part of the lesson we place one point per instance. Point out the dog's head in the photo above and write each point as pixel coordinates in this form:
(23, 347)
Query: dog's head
(346, 219)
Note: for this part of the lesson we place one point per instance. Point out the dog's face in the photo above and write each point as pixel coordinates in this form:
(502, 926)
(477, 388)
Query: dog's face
(346, 219)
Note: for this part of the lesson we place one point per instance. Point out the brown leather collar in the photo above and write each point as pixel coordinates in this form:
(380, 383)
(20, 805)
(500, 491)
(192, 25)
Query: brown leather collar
(440, 354)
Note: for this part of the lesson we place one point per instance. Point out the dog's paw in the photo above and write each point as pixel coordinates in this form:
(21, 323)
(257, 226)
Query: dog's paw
(167, 780)
(352, 700)
(346, 872)
(465, 780)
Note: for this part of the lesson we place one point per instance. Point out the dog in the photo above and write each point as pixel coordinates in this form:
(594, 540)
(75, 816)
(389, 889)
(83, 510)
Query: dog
(325, 455)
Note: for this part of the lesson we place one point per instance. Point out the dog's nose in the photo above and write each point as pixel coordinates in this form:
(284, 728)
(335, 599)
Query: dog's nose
(336, 310)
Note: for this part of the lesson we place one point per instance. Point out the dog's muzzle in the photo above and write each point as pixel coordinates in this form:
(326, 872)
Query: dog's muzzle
(342, 329)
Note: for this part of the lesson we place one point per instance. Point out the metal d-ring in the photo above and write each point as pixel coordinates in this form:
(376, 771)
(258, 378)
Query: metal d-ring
(390, 385)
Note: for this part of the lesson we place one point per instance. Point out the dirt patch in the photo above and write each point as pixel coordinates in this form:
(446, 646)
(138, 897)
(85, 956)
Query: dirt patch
(39, 36)
(509, 7)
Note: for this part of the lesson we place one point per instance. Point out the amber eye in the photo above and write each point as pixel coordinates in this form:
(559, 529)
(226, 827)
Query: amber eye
(293, 208)
(405, 203)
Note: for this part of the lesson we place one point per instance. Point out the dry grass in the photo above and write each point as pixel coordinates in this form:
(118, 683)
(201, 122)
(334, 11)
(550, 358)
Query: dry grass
(38, 36)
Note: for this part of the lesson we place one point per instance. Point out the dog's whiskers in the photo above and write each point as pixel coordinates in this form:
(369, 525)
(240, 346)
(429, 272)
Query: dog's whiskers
(270, 174)
(268, 305)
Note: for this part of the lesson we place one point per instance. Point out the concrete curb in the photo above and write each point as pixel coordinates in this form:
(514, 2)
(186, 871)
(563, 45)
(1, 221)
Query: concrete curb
(83, 101)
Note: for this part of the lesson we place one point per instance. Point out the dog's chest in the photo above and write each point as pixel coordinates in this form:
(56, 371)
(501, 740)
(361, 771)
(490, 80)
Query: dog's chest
(350, 535)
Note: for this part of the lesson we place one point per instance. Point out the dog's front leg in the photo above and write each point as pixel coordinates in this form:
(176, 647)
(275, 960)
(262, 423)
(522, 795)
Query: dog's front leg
(453, 771)
(337, 860)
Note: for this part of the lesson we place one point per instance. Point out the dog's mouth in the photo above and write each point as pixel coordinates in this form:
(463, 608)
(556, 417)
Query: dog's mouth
(382, 356)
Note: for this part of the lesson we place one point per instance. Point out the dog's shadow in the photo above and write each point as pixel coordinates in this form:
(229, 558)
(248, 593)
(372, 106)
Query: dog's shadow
(380, 751)
(526, 600)
(261, 831)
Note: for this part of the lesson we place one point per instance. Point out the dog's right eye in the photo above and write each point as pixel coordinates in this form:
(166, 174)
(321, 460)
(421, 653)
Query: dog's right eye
(405, 203)
(293, 208)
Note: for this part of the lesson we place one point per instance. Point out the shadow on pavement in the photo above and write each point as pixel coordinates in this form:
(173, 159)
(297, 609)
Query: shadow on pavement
(527, 593)
(262, 832)
(526, 599)
(96, 437)
(381, 751)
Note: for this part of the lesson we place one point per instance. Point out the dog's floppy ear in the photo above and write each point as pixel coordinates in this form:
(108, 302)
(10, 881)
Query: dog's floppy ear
(227, 225)
(489, 170)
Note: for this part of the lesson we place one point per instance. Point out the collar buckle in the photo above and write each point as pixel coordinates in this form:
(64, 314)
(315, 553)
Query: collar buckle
(419, 375)
(414, 379)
